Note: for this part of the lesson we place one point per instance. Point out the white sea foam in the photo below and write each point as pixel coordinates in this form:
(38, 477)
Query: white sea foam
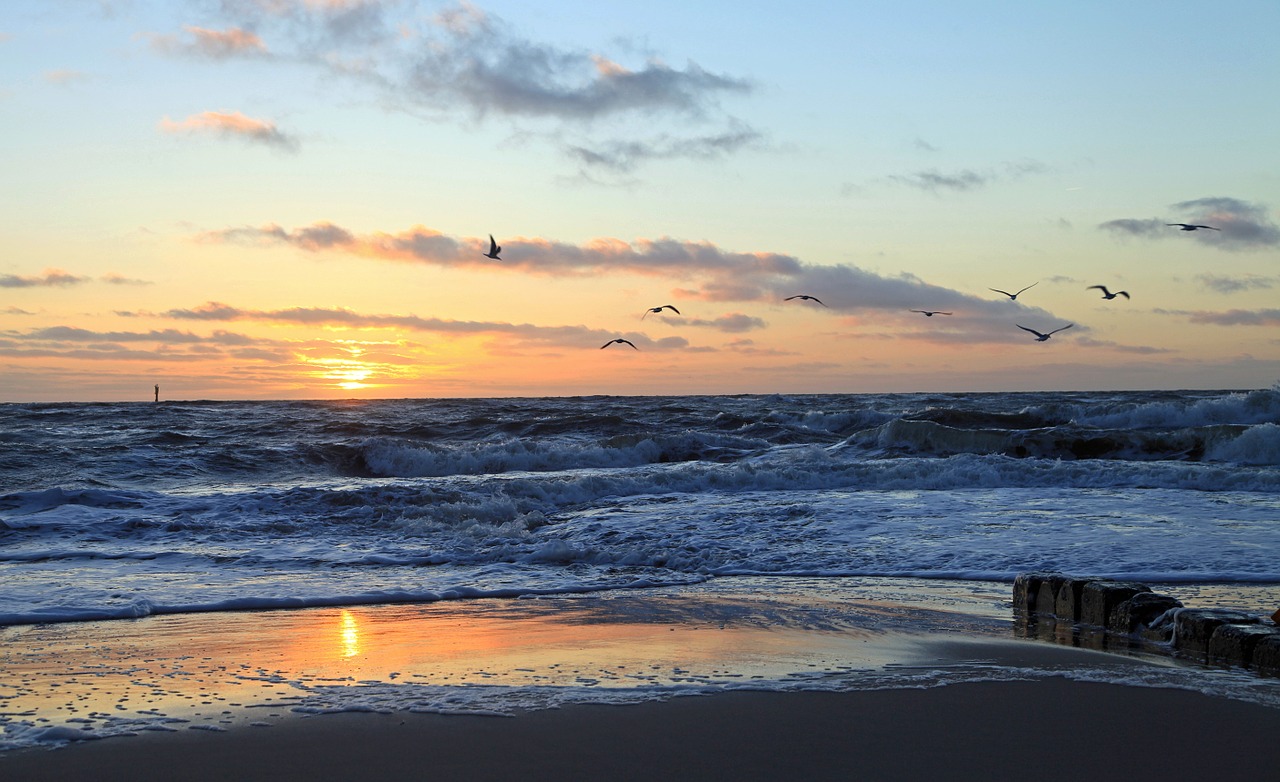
(217, 507)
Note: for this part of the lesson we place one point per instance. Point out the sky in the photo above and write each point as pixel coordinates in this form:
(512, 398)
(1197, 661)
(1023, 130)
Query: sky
(292, 199)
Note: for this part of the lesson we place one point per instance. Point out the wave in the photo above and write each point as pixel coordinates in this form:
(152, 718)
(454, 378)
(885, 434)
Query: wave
(1255, 445)
(399, 459)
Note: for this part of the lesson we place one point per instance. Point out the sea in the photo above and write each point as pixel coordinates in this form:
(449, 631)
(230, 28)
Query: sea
(126, 510)
(753, 513)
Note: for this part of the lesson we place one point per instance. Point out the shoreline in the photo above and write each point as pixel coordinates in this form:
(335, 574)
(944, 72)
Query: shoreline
(804, 678)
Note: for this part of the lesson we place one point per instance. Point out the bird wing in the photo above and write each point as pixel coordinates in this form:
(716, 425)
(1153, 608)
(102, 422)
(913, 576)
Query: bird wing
(1029, 287)
(633, 347)
(1102, 288)
(1064, 328)
(673, 309)
(1033, 331)
(997, 290)
(1123, 293)
(1210, 227)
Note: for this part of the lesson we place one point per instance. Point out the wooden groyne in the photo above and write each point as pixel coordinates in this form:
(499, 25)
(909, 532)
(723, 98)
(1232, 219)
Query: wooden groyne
(1126, 615)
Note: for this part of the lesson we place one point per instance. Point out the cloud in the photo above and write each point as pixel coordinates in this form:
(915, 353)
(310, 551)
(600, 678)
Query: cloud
(965, 180)
(68, 342)
(113, 278)
(49, 279)
(565, 336)
(1116, 346)
(702, 270)
(1242, 225)
(732, 323)
(1246, 282)
(626, 156)
(1152, 227)
(211, 44)
(1263, 317)
(232, 125)
(65, 77)
(469, 58)
(934, 180)
(16, 311)
(465, 64)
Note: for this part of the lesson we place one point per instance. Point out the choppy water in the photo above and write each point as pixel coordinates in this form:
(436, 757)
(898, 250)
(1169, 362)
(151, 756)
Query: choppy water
(126, 510)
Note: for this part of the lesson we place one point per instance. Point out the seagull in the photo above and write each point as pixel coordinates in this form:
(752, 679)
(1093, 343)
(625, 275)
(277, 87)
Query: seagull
(1042, 337)
(659, 309)
(615, 341)
(494, 249)
(1188, 227)
(930, 313)
(805, 298)
(1014, 296)
(1106, 294)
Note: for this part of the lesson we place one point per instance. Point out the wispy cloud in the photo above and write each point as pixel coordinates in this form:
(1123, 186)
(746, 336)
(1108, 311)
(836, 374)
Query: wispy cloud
(211, 44)
(65, 77)
(1246, 282)
(731, 323)
(233, 125)
(51, 278)
(1262, 317)
(463, 63)
(114, 278)
(968, 179)
(626, 156)
(167, 345)
(701, 270)
(1127, 226)
(524, 333)
(1241, 225)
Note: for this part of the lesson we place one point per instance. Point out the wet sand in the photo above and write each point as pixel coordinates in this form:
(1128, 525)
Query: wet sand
(1052, 729)
(790, 681)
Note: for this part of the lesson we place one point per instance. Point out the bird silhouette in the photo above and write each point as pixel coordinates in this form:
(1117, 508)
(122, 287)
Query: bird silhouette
(804, 297)
(616, 341)
(1106, 294)
(1189, 227)
(494, 249)
(1014, 296)
(659, 309)
(930, 313)
(1042, 337)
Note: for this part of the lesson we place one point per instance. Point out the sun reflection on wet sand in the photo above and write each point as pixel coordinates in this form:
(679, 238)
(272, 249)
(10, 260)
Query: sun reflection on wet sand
(220, 669)
(350, 634)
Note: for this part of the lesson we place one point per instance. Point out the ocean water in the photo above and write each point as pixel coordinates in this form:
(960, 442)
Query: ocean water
(116, 511)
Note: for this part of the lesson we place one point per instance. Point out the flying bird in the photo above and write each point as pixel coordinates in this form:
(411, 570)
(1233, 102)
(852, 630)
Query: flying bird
(616, 341)
(805, 298)
(659, 309)
(1106, 294)
(1189, 227)
(930, 313)
(1014, 296)
(1042, 337)
(494, 249)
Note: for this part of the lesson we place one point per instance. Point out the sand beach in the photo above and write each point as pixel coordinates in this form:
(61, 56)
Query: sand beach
(888, 681)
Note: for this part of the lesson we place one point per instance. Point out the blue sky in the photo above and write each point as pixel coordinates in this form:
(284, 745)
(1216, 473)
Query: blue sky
(265, 198)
